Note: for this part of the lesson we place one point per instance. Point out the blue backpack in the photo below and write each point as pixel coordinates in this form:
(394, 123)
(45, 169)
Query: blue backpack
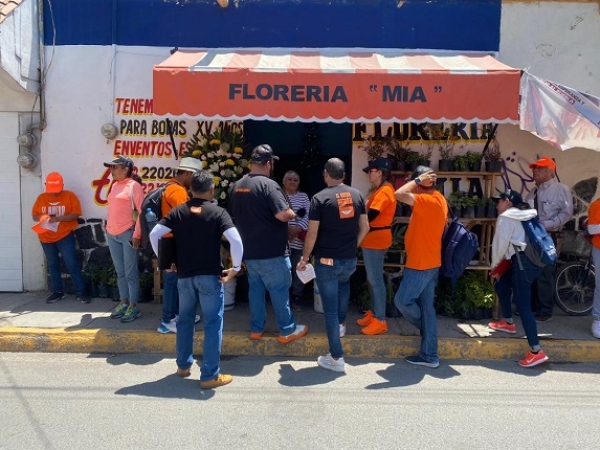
(540, 247)
(459, 246)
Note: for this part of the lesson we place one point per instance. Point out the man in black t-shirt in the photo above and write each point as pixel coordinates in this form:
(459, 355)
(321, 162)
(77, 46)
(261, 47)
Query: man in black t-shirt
(337, 225)
(261, 211)
(197, 228)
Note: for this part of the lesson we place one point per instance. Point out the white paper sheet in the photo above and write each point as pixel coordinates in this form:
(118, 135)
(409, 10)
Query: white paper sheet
(306, 275)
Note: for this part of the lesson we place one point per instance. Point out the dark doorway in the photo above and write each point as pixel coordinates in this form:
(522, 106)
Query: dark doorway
(303, 147)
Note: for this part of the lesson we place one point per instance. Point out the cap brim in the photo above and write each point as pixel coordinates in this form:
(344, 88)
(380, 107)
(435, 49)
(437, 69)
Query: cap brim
(110, 164)
(276, 157)
(366, 169)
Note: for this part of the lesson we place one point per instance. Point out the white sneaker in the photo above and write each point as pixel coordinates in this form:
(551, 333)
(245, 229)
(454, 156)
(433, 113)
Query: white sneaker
(342, 330)
(596, 328)
(327, 362)
(196, 319)
(170, 327)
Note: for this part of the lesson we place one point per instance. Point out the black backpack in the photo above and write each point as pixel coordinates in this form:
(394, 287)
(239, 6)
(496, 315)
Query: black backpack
(152, 201)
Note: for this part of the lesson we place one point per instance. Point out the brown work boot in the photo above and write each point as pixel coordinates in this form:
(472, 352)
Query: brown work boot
(221, 380)
(184, 373)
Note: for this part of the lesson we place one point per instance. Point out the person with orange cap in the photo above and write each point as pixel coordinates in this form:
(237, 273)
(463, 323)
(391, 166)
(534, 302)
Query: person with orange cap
(56, 212)
(554, 204)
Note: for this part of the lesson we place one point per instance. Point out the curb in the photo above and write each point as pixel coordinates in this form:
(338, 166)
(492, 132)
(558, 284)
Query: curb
(56, 340)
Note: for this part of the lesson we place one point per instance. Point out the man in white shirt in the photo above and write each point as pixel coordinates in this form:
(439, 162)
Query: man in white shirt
(554, 203)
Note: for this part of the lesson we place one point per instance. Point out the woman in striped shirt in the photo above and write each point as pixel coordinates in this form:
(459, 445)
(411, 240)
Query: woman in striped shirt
(296, 231)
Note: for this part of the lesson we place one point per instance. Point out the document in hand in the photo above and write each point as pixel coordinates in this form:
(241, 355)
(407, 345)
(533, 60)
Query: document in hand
(307, 274)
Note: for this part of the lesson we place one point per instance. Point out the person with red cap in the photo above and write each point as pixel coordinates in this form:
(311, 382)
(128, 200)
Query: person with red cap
(56, 211)
(554, 204)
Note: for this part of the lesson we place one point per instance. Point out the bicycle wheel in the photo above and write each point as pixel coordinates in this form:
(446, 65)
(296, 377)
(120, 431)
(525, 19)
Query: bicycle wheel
(574, 288)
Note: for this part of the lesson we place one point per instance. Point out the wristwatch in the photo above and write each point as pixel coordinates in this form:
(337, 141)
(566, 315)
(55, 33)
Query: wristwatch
(417, 181)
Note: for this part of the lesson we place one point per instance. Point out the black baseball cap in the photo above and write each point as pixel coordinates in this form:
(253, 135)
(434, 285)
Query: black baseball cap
(512, 196)
(380, 163)
(262, 153)
(120, 161)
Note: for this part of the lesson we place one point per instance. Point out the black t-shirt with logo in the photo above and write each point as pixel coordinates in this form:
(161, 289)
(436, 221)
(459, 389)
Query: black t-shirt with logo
(338, 209)
(197, 229)
(254, 201)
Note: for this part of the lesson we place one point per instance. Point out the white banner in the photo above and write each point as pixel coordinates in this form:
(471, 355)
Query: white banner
(562, 116)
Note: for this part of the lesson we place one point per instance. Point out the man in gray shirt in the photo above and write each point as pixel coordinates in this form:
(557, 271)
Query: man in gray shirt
(554, 204)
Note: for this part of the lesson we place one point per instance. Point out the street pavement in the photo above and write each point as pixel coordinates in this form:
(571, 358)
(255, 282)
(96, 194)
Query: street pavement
(27, 323)
(75, 401)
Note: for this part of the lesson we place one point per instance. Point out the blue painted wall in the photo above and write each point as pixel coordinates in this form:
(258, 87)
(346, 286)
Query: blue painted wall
(432, 24)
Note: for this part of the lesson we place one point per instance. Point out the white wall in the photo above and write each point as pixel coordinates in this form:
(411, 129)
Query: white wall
(557, 41)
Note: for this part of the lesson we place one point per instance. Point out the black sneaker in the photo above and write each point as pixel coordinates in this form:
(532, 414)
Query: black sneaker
(55, 296)
(542, 318)
(84, 298)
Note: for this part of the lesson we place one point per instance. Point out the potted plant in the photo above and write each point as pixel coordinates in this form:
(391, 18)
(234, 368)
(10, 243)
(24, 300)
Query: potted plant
(455, 201)
(146, 287)
(474, 161)
(460, 163)
(490, 208)
(412, 160)
(424, 158)
(397, 149)
(493, 157)
(373, 146)
(468, 206)
(480, 207)
(396, 253)
(103, 288)
(446, 148)
(92, 274)
(477, 292)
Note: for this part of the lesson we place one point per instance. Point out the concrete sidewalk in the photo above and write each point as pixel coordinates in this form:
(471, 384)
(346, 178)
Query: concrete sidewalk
(27, 323)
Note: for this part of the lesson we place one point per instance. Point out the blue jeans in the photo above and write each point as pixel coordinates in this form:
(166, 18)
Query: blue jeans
(414, 299)
(517, 283)
(334, 286)
(66, 247)
(271, 275)
(125, 259)
(208, 290)
(374, 267)
(170, 299)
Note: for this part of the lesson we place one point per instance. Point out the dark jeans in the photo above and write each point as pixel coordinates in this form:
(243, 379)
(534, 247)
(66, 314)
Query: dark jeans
(516, 284)
(543, 291)
(297, 285)
(66, 247)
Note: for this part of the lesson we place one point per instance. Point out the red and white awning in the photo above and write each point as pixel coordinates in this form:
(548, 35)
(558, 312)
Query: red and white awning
(336, 85)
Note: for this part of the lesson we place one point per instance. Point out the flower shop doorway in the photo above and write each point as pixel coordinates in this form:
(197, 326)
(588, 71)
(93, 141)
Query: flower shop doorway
(304, 148)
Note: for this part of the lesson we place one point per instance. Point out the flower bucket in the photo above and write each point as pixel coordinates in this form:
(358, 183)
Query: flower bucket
(229, 294)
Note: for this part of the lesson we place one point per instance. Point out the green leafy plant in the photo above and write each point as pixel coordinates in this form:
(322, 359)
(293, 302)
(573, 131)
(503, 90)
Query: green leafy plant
(473, 291)
(111, 276)
(412, 156)
(460, 163)
(473, 157)
(455, 199)
(398, 232)
(469, 201)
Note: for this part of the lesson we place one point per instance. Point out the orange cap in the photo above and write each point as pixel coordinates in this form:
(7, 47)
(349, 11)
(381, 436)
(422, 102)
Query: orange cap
(54, 183)
(38, 228)
(544, 161)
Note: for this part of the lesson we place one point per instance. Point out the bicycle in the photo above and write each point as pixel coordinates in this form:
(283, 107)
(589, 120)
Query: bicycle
(574, 286)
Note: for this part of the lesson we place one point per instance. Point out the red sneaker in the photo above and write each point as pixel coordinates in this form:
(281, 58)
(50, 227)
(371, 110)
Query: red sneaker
(503, 326)
(533, 359)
